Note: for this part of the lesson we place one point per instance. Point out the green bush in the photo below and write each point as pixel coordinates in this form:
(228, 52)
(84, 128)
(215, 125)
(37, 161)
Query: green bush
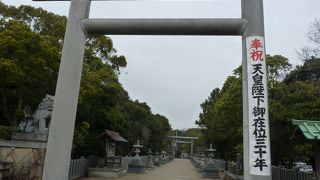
(6, 131)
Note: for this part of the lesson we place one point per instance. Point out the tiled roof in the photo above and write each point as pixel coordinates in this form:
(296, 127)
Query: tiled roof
(113, 135)
(310, 129)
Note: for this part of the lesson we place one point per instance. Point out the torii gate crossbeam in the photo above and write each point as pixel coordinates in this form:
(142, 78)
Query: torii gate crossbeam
(250, 25)
(170, 26)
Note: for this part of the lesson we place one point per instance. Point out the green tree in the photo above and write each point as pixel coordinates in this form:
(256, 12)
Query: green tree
(29, 65)
(221, 116)
(278, 68)
(150, 129)
(309, 72)
(30, 53)
(31, 40)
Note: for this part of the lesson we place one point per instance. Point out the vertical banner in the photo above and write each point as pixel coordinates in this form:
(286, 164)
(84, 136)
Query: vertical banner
(259, 138)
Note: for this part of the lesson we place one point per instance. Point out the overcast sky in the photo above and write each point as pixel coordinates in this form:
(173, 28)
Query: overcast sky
(174, 74)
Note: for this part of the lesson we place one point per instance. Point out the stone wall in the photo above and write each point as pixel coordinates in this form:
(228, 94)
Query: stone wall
(27, 162)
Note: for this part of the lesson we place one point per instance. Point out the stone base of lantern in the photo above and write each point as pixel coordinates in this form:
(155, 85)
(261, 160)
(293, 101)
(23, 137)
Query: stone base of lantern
(149, 165)
(157, 162)
(107, 172)
(210, 170)
(136, 166)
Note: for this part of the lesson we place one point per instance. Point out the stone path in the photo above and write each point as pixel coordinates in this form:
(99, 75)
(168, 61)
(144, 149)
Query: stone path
(179, 169)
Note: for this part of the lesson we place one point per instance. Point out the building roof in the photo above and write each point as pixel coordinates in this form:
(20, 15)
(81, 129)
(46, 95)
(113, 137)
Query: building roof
(310, 129)
(112, 135)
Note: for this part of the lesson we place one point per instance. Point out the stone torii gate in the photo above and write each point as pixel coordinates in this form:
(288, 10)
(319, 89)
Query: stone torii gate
(257, 163)
(184, 140)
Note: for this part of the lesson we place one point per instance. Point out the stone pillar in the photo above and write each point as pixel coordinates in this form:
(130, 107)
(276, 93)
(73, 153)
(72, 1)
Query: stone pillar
(252, 11)
(57, 160)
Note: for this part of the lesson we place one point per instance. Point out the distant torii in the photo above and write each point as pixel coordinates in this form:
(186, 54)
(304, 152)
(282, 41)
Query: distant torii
(184, 140)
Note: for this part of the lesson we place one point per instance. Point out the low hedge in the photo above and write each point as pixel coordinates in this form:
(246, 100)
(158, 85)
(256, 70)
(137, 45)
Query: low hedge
(6, 131)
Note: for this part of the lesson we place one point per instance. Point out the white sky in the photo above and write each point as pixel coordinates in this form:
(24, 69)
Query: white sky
(174, 74)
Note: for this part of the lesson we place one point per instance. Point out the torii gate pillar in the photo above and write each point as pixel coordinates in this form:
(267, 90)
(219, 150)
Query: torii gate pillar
(58, 153)
(252, 11)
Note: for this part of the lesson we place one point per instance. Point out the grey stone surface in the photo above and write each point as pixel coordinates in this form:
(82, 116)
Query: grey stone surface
(210, 170)
(23, 144)
(136, 165)
(35, 126)
(107, 172)
(43, 114)
(252, 11)
(57, 160)
(37, 137)
(39, 121)
(227, 26)
(149, 163)
(157, 159)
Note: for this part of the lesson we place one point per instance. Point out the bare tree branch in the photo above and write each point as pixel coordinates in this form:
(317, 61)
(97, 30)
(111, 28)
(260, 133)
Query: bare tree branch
(309, 52)
(314, 31)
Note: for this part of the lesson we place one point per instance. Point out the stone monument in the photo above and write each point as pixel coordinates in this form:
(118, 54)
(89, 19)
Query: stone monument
(35, 126)
(26, 149)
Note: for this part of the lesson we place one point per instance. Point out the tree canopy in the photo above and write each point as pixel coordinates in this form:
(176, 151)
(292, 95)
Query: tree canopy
(293, 94)
(31, 41)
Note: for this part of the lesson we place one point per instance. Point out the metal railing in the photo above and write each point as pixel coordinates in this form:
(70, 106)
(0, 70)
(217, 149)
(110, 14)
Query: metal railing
(233, 172)
(78, 168)
(291, 174)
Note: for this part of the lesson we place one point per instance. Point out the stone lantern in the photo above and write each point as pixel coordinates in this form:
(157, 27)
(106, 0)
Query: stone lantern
(210, 169)
(203, 161)
(136, 165)
(163, 157)
(157, 159)
(149, 164)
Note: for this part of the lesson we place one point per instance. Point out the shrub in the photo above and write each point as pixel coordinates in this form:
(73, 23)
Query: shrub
(6, 131)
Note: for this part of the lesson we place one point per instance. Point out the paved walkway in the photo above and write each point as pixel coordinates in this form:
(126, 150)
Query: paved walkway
(179, 169)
